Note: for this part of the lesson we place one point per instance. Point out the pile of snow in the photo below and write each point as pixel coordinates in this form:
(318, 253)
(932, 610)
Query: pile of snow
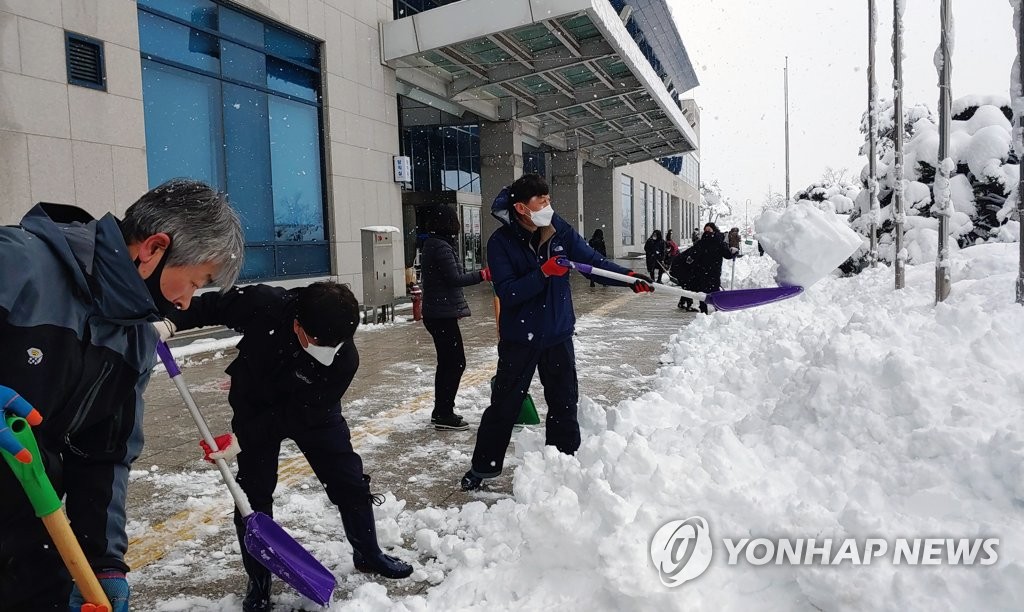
(807, 242)
(864, 413)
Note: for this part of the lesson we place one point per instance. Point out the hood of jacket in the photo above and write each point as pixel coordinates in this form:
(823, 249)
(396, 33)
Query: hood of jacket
(95, 256)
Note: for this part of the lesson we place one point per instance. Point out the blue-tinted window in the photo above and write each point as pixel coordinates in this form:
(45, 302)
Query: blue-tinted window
(444, 157)
(627, 210)
(234, 113)
(183, 123)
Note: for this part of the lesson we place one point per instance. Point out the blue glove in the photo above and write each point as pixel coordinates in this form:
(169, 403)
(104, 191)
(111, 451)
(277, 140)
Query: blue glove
(10, 401)
(114, 585)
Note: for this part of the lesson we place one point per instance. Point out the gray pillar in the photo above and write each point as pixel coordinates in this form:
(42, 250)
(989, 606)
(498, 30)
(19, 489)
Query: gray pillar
(600, 196)
(567, 187)
(501, 163)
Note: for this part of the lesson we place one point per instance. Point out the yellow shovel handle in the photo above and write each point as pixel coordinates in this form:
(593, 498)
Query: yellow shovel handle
(67, 545)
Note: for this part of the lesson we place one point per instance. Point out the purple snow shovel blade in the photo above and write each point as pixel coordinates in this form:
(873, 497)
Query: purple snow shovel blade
(739, 299)
(265, 540)
(719, 300)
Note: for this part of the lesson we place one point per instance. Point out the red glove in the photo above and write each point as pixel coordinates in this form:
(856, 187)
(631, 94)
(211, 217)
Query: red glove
(227, 446)
(485, 275)
(551, 267)
(642, 284)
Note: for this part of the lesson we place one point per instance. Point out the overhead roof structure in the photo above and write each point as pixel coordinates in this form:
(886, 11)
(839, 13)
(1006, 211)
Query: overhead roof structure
(568, 70)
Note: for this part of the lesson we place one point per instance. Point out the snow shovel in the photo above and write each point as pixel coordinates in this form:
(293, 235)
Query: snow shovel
(528, 411)
(47, 507)
(732, 281)
(265, 540)
(719, 300)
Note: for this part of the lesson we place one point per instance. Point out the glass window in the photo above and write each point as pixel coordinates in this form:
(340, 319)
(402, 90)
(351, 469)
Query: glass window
(444, 157)
(643, 209)
(627, 210)
(181, 137)
(245, 121)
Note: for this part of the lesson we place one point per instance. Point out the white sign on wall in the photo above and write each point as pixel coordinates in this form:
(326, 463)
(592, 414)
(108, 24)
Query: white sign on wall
(403, 169)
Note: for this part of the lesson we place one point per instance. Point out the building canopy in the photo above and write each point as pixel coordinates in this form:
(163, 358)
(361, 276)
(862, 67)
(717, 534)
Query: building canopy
(568, 70)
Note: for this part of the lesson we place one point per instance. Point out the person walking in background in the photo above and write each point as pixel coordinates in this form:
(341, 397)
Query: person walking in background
(734, 238)
(671, 248)
(695, 235)
(444, 304)
(597, 243)
(654, 249)
(699, 268)
(296, 360)
(536, 323)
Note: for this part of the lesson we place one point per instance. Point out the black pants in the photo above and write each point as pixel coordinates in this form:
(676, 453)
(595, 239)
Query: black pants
(654, 271)
(451, 363)
(32, 575)
(327, 445)
(516, 365)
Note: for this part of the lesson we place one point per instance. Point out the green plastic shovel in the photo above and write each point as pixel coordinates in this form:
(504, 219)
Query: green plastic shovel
(46, 504)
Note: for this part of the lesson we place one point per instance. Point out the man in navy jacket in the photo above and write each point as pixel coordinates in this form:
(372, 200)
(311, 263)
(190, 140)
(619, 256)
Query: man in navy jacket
(536, 323)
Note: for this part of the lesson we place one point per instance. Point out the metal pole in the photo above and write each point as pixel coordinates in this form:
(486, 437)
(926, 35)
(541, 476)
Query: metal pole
(786, 90)
(872, 136)
(942, 192)
(1020, 153)
(897, 111)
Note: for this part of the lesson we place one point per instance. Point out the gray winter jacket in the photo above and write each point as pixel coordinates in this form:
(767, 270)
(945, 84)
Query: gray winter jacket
(78, 346)
(443, 280)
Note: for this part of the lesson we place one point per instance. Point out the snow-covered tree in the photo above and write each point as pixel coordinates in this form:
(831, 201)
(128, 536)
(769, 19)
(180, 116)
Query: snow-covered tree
(713, 204)
(986, 172)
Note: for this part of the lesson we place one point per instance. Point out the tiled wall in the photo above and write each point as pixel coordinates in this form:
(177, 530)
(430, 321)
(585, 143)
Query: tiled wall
(80, 146)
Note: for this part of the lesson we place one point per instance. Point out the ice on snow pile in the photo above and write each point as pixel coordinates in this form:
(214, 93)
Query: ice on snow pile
(807, 243)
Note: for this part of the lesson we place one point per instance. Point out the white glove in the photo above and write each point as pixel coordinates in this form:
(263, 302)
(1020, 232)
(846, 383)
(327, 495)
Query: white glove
(166, 329)
(733, 250)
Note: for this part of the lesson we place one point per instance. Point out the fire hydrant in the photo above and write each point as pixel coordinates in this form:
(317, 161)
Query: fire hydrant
(417, 301)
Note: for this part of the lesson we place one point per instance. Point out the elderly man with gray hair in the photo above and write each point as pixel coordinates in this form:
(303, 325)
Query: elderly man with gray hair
(79, 298)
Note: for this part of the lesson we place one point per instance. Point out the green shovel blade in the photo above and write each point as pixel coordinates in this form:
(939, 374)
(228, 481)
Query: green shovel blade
(32, 476)
(527, 412)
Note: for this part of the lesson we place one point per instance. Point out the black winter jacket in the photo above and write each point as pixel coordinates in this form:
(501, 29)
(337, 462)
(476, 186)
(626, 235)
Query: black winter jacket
(699, 268)
(272, 374)
(443, 280)
(655, 251)
(78, 345)
(598, 245)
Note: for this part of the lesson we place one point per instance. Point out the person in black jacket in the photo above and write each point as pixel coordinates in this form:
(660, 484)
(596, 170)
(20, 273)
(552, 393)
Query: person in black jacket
(295, 361)
(597, 243)
(443, 305)
(699, 268)
(79, 300)
(536, 323)
(655, 251)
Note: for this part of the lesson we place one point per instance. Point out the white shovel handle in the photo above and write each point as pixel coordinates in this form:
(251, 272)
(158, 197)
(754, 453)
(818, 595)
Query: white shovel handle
(241, 501)
(595, 271)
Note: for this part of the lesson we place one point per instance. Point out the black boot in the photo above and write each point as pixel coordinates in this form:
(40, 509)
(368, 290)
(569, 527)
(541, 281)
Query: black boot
(361, 531)
(449, 422)
(257, 592)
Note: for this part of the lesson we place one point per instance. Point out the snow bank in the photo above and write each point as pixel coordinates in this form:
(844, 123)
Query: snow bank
(806, 242)
(862, 413)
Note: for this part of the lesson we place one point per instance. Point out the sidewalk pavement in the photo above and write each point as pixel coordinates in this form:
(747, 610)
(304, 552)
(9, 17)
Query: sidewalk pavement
(181, 537)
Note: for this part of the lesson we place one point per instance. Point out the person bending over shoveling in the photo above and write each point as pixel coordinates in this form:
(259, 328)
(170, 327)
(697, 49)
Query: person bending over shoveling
(295, 361)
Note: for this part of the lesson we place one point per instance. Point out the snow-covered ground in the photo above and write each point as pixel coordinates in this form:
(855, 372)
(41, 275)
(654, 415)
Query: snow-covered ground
(851, 411)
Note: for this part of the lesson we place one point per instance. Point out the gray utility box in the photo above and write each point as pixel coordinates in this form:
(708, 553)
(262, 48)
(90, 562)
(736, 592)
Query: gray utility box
(378, 265)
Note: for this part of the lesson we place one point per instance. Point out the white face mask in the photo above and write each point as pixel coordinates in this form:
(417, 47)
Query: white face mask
(542, 217)
(323, 354)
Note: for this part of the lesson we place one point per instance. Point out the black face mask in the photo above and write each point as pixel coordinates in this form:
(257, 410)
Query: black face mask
(163, 305)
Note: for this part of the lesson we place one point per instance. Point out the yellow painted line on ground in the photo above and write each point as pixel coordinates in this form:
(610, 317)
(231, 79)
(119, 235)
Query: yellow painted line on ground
(157, 540)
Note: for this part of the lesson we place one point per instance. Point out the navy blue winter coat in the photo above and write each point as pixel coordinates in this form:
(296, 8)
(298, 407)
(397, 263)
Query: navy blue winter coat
(535, 309)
